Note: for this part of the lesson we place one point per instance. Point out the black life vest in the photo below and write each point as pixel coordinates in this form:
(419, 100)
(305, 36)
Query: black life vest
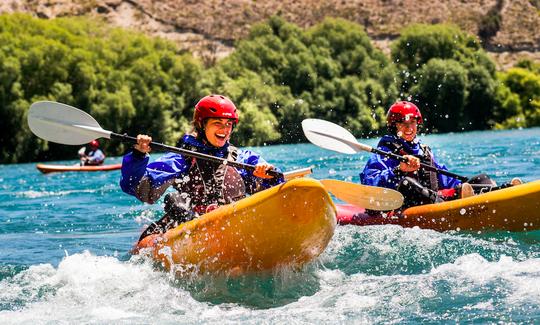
(425, 177)
(210, 184)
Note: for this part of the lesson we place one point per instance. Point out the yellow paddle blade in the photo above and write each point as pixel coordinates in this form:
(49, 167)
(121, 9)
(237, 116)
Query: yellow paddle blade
(369, 197)
(297, 173)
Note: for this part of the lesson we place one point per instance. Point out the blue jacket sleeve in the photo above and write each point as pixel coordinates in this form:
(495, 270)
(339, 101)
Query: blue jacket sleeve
(253, 183)
(135, 167)
(379, 171)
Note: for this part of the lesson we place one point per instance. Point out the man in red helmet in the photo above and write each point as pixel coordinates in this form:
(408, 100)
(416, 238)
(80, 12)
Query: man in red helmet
(91, 155)
(417, 185)
(200, 185)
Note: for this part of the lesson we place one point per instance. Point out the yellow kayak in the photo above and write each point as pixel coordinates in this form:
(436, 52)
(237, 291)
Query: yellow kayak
(515, 208)
(287, 225)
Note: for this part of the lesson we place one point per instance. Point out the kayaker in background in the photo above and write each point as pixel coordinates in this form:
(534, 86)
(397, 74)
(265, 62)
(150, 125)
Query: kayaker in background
(91, 155)
(201, 185)
(417, 185)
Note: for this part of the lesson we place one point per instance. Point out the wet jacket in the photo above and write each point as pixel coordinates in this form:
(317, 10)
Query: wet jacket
(148, 181)
(384, 172)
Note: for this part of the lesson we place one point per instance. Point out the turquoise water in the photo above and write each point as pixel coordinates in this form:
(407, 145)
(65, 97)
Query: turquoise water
(65, 240)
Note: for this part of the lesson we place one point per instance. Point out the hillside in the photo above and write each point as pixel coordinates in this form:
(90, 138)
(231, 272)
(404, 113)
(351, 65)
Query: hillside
(209, 28)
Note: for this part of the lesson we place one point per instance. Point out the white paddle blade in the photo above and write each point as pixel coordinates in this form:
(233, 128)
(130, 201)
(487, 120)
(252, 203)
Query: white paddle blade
(61, 123)
(329, 136)
(364, 196)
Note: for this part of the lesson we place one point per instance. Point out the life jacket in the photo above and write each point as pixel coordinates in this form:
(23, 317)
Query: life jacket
(208, 184)
(425, 177)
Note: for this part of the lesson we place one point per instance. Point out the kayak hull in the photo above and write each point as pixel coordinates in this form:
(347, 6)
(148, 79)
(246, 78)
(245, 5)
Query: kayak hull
(514, 208)
(287, 225)
(45, 169)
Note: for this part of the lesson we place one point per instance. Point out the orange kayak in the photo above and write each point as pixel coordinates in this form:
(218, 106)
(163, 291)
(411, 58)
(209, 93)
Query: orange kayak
(287, 225)
(66, 168)
(515, 208)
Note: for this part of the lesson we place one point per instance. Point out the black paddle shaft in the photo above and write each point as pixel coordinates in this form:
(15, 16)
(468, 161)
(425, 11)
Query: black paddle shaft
(355, 145)
(189, 153)
(425, 166)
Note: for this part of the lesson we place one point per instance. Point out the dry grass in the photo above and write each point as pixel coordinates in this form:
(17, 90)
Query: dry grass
(210, 27)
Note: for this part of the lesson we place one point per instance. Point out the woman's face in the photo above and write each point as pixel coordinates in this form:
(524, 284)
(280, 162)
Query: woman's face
(407, 129)
(218, 131)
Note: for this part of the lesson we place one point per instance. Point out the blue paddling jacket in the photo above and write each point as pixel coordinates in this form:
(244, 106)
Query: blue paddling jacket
(384, 172)
(148, 181)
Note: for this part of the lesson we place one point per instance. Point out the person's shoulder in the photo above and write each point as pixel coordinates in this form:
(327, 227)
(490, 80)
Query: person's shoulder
(192, 143)
(387, 139)
(422, 144)
(232, 148)
(244, 151)
(248, 155)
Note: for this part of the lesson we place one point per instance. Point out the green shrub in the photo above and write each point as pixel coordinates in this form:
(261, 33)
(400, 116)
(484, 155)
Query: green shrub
(329, 71)
(127, 81)
(449, 74)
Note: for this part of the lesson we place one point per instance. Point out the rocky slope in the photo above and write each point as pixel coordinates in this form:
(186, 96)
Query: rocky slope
(510, 29)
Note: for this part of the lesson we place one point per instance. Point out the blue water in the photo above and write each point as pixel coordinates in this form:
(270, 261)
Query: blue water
(65, 238)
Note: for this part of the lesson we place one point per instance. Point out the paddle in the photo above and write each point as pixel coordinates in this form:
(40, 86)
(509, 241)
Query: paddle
(333, 137)
(61, 123)
(370, 197)
(65, 124)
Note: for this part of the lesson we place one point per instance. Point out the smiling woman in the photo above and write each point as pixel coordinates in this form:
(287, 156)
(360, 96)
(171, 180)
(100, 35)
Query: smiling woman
(201, 185)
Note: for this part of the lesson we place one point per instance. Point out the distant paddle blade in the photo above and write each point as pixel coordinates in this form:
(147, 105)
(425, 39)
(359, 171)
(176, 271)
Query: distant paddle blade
(61, 123)
(329, 136)
(369, 197)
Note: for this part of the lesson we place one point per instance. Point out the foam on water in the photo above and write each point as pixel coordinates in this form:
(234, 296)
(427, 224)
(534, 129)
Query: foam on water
(103, 289)
(99, 288)
(37, 194)
(87, 287)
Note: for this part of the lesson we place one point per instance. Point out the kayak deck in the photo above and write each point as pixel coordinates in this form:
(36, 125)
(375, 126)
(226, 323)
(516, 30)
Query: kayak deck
(45, 169)
(287, 225)
(514, 208)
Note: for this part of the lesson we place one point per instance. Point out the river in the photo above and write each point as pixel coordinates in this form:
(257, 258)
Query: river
(65, 241)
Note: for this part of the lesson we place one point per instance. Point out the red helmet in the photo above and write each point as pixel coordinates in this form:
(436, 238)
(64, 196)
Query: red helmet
(403, 111)
(217, 106)
(94, 144)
